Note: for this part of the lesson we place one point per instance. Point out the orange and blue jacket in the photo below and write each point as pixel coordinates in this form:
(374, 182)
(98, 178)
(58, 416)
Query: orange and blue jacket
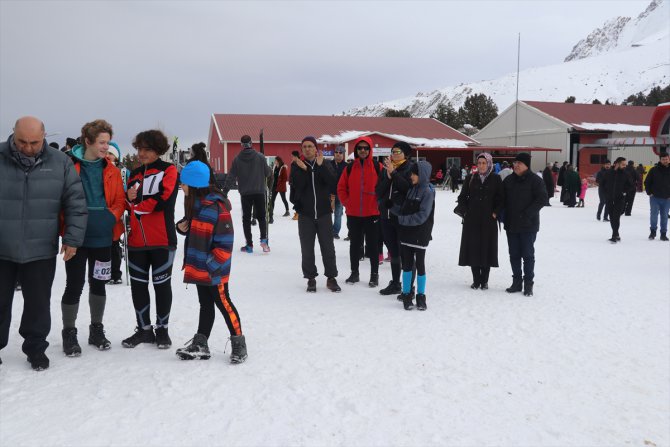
(209, 242)
(152, 212)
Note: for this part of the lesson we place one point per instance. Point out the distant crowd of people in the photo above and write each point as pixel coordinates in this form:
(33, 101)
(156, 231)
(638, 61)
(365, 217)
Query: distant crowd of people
(389, 202)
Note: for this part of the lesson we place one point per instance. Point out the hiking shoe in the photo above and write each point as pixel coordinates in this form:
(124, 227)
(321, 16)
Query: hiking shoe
(353, 278)
(664, 236)
(71, 346)
(613, 239)
(286, 214)
(374, 280)
(96, 336)
(140, 336)
(247, 249)
(239, 354)
(392, 289)
(516, 286)
(332, 285)
(411, 292)
(484, 286)
(475, 285)
(421, 301)
(407, 301)
(265, 246)
(652, 234)
(197, 349)
(253, 222)
(311, 285)
(112, 282)
(162, 338)
(39, 361)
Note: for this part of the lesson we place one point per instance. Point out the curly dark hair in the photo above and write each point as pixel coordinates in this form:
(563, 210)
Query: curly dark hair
(152, 139)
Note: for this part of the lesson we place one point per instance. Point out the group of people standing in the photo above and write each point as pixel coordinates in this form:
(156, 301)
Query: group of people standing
(80, 197)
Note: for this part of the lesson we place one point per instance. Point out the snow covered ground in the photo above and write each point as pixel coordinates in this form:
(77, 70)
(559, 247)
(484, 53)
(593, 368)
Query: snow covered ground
(586, 361)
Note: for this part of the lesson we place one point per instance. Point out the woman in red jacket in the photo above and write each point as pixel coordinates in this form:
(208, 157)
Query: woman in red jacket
(279, 186)
(356, 190)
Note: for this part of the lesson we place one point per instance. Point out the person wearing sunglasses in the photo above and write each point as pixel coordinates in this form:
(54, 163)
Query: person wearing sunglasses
(356, 191)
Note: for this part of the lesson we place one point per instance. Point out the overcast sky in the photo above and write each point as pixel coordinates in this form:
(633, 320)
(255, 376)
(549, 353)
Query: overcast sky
(171, 64)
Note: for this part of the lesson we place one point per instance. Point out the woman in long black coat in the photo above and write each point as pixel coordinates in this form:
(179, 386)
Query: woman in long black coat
(481, 199)
(548, 177)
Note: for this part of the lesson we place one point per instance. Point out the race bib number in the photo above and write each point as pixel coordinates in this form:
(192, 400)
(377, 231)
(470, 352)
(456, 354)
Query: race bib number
(102, 270)
(151, 184)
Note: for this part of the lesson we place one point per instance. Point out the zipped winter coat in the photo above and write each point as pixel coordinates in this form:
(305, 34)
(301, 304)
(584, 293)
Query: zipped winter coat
(109, 219)
(338, 169)
(479, 238)
(31, 200)
(152, 212)
(209, 242)
(657, 182)
(310, 189)
(417, 212)
(356, 188)
(525, 195)
(617, 183)
(392, 191)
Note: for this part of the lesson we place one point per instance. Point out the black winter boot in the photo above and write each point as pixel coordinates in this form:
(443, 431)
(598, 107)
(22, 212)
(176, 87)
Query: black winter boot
(353, 278)
(421, 301)
(140, 336)
(516, 285)
(196, 350)
(664, 236)
(332, 285)
(311, 285)
(392, 289)
(528, 288)
(652, 234)
(71, 346)
(163, 338)
(239, 354)
(374, 280)
(407, 300)
(96, 337)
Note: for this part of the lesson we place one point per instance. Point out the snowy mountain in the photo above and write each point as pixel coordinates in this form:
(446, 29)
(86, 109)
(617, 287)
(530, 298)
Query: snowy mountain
(623, 57)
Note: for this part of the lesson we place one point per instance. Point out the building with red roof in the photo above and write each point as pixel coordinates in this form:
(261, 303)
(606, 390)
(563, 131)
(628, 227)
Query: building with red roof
(585, 133)
(282, 134)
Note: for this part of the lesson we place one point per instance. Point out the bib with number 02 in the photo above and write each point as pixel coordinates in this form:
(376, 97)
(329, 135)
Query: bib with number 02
(102, 270)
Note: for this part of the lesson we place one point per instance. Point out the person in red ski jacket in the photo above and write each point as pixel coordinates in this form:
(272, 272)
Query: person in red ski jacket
(152, 191)
(356, 191)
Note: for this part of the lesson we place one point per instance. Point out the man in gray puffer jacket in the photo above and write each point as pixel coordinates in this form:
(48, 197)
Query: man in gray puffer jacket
(252, 172)
(38, 184)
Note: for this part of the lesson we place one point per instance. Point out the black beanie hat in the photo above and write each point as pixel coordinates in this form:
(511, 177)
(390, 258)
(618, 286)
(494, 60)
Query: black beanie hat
(406, 148)
(70, 142)
(309, 138)
(246, 141)
(523, 157)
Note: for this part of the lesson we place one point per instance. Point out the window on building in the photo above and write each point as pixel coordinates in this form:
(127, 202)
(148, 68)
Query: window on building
(598, 159)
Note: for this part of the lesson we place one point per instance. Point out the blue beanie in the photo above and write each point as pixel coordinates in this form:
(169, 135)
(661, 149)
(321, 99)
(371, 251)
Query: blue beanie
(195, 174)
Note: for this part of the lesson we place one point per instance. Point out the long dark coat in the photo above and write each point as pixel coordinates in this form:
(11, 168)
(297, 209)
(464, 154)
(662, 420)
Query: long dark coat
(479, 240)
(548, 178)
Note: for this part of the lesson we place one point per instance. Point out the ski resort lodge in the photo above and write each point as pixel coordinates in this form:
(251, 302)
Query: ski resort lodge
(586, 134)
(282, 134)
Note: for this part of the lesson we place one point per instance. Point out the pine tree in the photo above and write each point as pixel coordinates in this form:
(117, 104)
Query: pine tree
(478, 110)
(570, 99)
(446, 114)
(130, 161)
(393, 113)
(596, 101)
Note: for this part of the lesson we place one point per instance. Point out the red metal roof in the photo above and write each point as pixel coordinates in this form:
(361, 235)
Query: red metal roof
(577, 114)
(293, 128)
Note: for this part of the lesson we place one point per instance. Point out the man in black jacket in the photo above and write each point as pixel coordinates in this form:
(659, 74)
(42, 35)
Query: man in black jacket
(525, 195)
(657, 185)
(601, 191)
(630, 197)
(312, 183)
(617, 185)
(338, 163)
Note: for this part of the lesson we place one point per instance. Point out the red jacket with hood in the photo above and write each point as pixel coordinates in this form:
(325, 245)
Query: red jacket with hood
(356, 188)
